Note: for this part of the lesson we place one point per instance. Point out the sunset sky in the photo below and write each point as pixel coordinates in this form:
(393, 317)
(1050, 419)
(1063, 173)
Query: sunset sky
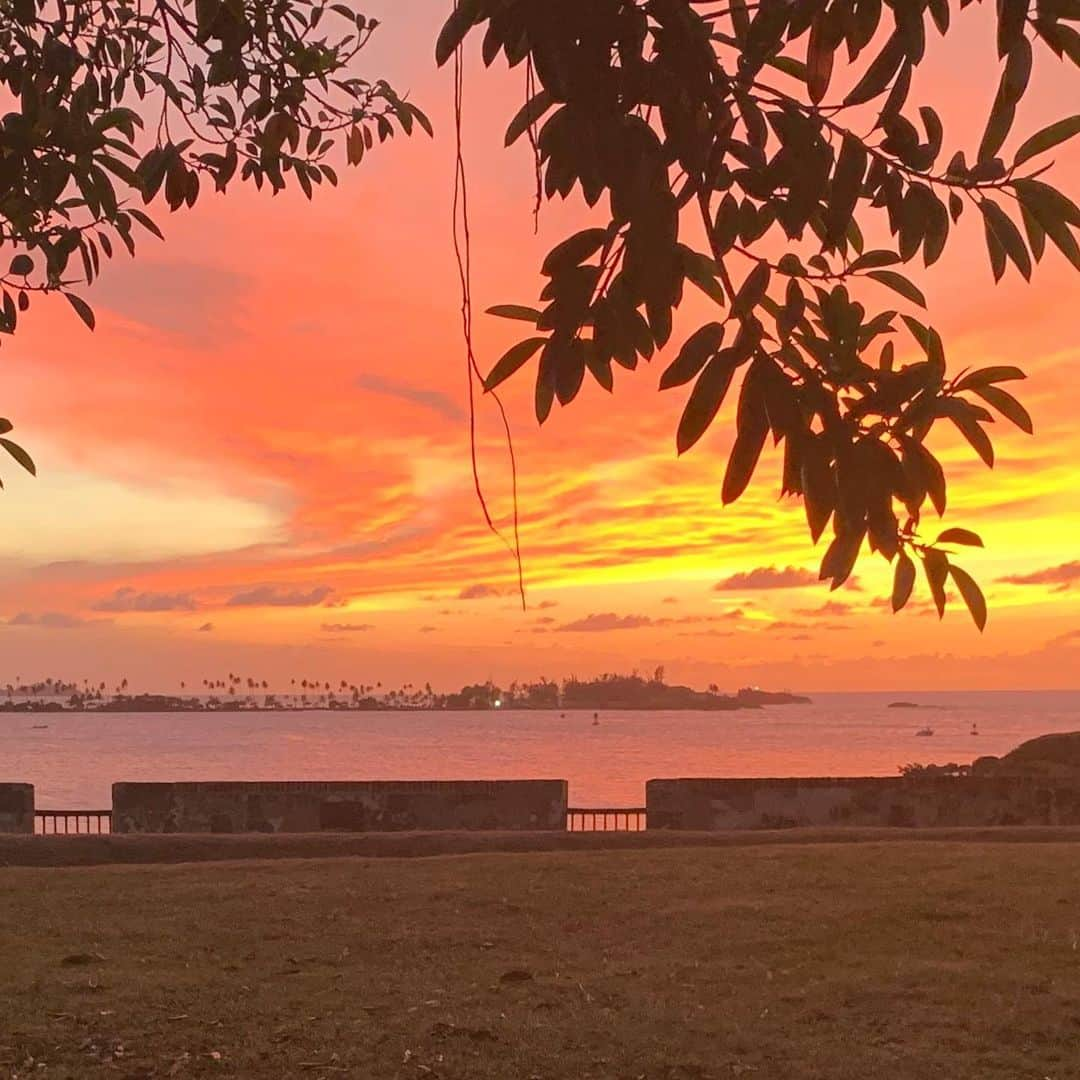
(259, 460)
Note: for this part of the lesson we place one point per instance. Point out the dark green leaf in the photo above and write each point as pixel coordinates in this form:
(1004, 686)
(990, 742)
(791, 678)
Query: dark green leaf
(82, 309)
(987, 375)
(819, 59)
(1008, 235)
(1054, 212)
(972, 594)
(872, 260)
(969, 427)
(528, 115)
(693, 356)
(461, 21)
(1011, 17)
(545, 384)
(936, 568)
(515, 311)
(20, 455)
(879, 74)
(960, 536)
(900, 284)
(841, 556)
(903, 581)
(1048, 138)
(574, 251)
(704, 401)
(515, 358)
(1007, 405)
(752, 429)
(819, 487)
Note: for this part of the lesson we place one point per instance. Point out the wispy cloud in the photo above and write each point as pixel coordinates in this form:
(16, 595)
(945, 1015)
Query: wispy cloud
(607, 620)
(272, 596)
(346, 628)
(434, 400)
(51, 620)
(1062, 577)
(767, 577)
(128, 600)
(206, 628)
(163, 295)
(830, 607)
(480, 591)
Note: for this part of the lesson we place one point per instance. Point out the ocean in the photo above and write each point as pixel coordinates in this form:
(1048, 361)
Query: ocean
(75, 759)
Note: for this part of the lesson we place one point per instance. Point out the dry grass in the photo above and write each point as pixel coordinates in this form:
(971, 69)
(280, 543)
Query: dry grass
(901, 961)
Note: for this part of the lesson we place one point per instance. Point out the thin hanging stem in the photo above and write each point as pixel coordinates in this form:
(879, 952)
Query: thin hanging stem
(463, 255)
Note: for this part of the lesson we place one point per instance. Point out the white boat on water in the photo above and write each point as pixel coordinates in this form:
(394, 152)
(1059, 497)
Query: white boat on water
(926, 731)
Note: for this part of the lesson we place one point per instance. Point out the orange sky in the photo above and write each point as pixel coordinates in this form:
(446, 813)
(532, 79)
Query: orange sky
(259, 461)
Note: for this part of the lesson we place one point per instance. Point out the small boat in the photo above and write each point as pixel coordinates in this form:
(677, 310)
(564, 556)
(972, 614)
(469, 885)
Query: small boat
(596, 719)
(974, 729)
(40, 727)
(926, 731)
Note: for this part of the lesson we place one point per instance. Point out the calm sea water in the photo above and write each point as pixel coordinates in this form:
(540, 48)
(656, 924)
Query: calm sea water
(77, 757)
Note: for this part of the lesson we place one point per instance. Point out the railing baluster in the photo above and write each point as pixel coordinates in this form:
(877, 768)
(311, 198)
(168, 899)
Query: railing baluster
(606, 819)
(72, 822)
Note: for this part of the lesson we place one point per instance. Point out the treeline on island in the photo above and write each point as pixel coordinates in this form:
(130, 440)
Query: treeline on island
(608, 691)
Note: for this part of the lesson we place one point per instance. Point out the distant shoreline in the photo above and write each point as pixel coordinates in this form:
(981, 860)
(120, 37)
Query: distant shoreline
(153, 703)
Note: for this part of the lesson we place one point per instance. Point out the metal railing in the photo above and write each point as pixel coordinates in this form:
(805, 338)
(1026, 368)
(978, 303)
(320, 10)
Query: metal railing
(578, 819)
(605, 819)
(70, 822)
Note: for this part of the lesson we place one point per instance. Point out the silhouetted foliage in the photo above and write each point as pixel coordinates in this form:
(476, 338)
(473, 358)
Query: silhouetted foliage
(116, 104)
(743, 123)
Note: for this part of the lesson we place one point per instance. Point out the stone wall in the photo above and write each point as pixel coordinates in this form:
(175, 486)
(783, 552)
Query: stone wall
(16, 808)
(915, 802)
(371, 806)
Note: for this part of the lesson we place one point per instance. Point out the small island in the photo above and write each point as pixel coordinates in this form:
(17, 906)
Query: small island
(753, 697)
(234, 694)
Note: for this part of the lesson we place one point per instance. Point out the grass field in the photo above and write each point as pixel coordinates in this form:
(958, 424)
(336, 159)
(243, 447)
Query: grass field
(838, 962)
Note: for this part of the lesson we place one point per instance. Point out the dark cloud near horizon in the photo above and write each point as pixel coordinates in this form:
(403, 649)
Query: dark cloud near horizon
(480, 591)
(52, 620)
(607, 620)
(830, 607)
(1062, 577)
(163, 296)
(767, 577)
(434, 400)
(272, 596)
(129, 600)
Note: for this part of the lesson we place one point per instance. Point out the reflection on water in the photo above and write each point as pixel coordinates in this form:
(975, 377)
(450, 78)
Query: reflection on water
(76, 758)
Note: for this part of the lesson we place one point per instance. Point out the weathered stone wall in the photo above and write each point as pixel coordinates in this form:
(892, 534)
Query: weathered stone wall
(16, 808)
(372, 806)
(870, 801)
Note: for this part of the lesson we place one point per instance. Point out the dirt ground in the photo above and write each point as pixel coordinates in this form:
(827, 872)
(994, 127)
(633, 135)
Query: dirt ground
(818, 961)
